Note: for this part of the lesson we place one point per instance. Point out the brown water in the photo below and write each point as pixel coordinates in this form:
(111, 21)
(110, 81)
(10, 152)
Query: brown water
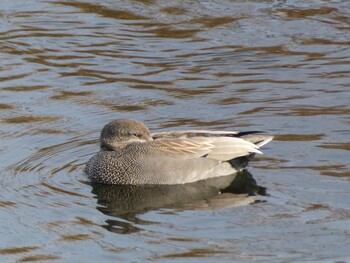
(69, 67)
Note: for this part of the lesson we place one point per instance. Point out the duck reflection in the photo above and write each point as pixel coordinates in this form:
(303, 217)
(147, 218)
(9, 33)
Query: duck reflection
(125, 202)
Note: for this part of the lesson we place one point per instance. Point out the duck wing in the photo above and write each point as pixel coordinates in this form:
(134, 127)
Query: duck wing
(217, 148)
(255, 137)
(192, 133)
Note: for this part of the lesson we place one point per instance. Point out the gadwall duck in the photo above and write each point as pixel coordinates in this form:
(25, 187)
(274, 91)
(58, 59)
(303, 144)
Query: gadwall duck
(130, 154)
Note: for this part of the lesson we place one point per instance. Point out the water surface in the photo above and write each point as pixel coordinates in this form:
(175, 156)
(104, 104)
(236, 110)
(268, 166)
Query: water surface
(69, 67)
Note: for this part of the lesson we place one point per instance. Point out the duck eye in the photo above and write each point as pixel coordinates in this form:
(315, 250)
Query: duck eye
(138, 135)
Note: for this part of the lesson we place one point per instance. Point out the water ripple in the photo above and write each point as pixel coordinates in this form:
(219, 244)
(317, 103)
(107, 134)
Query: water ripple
(45, 169)
(69, 67)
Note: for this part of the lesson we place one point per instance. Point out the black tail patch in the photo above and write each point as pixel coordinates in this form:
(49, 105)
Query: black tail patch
(241, 162)
(240, 134)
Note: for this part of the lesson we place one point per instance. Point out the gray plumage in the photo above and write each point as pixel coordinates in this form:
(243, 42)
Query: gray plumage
(130, 154)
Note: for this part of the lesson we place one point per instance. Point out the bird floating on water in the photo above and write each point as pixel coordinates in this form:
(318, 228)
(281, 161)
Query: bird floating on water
(131, 154)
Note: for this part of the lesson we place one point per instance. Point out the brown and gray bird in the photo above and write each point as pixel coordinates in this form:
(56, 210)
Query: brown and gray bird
(130, 154)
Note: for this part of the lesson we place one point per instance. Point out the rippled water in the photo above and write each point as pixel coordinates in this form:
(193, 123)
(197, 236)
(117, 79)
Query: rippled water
(69, 67)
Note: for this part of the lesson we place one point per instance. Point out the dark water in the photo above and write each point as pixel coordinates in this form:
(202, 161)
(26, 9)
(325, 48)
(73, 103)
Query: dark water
(69, 67)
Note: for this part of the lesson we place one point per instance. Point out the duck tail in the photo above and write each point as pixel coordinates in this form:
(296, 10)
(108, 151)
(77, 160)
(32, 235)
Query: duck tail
(256, 137)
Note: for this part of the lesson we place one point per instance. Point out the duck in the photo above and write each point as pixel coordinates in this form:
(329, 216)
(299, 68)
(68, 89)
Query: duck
(131, 155)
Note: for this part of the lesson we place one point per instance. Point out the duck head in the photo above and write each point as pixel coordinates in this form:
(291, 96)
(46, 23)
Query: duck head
(119, 133)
